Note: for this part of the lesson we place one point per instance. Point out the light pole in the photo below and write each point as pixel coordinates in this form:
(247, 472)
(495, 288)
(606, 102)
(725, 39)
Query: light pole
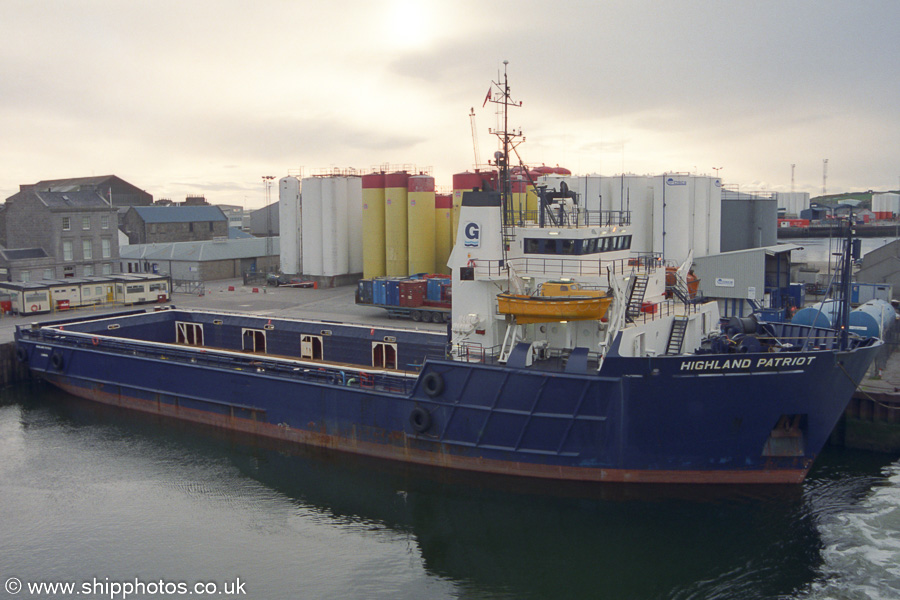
(267, 182)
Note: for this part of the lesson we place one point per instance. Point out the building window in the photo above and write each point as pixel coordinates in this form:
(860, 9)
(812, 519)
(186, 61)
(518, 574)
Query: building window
(210, 225)
(48, 273)
(67, 250)
(191, 227)
(107, 269)
(85, 223)
(25, 276)
(104, 222)
(87, 249)
(105, 247)
(88, 270)
(67, 224)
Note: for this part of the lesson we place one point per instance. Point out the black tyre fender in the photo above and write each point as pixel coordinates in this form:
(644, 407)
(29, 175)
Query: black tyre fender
(433, 384)
(57, 361)
(21, 354)
(420, 419)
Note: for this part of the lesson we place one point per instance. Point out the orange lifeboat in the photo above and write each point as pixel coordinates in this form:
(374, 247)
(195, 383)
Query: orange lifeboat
(557, 301)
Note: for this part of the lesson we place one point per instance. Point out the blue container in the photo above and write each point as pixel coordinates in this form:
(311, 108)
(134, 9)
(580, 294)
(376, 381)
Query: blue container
(393, 292)
(379, 291)
(366, 291)
(433, 292)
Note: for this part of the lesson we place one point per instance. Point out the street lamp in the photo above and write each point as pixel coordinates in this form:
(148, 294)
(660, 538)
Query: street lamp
(267, 182)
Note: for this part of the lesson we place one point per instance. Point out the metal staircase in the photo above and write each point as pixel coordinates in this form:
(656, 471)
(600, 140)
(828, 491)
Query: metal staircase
(676, 337)
(636, 296)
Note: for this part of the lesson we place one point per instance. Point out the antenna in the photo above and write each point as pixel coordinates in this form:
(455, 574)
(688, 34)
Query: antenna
(793, 166)
(824, 174)
(474, 136)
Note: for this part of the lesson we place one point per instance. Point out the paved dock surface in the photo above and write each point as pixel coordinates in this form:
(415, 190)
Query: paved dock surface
(329, 304)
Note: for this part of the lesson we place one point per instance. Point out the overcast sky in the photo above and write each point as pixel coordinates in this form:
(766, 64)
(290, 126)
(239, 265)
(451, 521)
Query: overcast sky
(182, 97)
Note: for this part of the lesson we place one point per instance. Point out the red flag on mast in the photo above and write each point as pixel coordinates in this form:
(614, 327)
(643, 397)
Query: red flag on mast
(486, 98)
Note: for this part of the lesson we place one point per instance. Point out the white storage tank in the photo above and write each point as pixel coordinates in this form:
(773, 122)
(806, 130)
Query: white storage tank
(355, 220)
(289, 224)
(335, 227)
(793, 202)
(311, 226)
(886, 206)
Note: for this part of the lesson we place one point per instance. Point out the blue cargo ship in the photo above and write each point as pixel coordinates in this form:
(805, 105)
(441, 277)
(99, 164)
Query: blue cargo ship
(524, 383)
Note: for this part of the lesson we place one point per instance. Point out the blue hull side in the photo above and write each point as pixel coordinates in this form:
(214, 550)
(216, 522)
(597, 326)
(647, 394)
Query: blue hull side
(647, 420)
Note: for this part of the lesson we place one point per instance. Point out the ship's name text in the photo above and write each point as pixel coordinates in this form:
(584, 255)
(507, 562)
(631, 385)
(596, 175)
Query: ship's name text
(747, 363)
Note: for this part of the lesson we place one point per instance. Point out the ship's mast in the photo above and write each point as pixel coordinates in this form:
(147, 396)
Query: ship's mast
(509, 140)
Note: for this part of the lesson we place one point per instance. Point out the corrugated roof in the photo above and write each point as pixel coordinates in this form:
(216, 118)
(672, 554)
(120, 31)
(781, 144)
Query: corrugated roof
(180, 214)
(201, 251)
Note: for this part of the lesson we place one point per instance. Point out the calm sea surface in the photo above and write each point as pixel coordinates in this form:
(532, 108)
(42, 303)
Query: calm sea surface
(95, 496)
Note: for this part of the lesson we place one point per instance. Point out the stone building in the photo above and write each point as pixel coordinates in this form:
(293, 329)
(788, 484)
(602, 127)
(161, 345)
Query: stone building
(57, 234)
(161, 224)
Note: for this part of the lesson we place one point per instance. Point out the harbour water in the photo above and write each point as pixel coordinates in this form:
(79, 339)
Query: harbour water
(97, 496)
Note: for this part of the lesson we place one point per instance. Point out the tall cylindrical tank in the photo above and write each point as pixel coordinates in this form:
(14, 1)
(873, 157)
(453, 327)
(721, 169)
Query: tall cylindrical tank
(443, 232)
(676, 217)
(355, 223)
(420, 223)
(823, 314)
(395, 224)
(311, 224)
(373, 225)
(289, 224)
(335, 227)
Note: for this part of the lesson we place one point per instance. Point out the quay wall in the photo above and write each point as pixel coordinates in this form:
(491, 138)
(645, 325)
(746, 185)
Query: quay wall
(11, 370)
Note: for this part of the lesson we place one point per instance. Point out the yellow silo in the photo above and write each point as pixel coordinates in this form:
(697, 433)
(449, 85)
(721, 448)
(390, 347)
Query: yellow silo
(519, 185)
(443, 232)
(373, 225)
(420, 224)
(395, 224)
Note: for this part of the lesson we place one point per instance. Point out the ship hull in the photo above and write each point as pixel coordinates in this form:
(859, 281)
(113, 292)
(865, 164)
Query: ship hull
(649, 420)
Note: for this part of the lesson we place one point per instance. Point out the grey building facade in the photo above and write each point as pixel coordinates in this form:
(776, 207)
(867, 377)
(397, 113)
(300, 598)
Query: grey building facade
(749, 220)
(56, 235)
(264, 221)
